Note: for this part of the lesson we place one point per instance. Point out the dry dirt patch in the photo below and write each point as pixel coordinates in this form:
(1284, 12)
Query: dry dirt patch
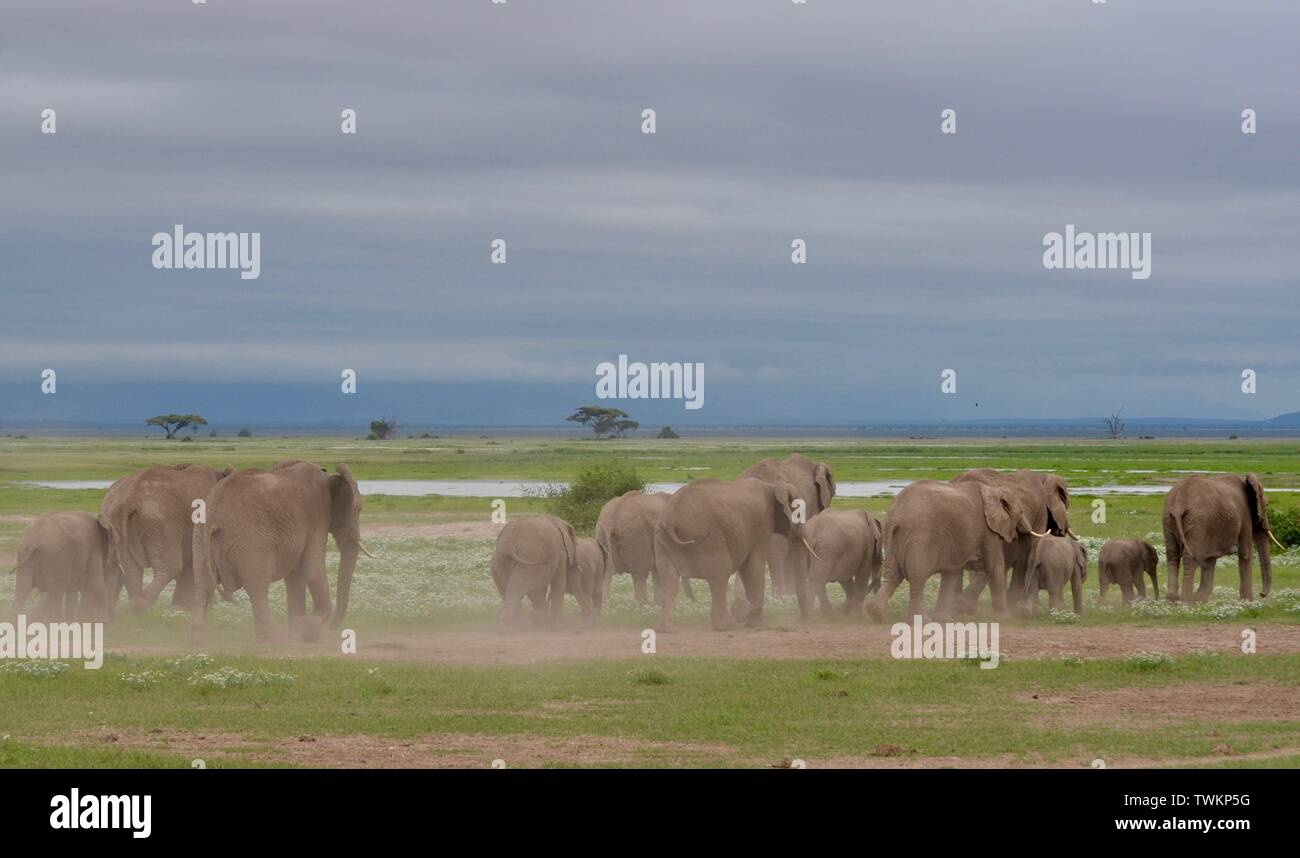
(435, 751)
(1170, 704)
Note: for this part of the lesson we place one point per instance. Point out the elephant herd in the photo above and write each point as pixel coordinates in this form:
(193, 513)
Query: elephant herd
(776, 518)
(206, 529)
(209, 529)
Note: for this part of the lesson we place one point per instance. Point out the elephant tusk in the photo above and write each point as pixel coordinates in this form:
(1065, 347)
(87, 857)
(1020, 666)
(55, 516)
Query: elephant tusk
(1072, 535)
(810, 549)
(364, 551)
(1275, 541)
(1040, 535)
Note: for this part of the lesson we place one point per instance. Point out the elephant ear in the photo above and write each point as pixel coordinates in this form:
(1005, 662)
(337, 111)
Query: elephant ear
(825, 480)
(1258, 503)
(999, 512)
(1152, 560)
(783, 499)
(345, 501)
(1058, 500)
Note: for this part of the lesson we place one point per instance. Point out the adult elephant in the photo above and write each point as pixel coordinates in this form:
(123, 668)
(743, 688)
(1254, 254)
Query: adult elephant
(937, 527)
(626, 530)
(263, 526)
(1045, 499)
(712, 528)
(1206, 518)
(537, 556)
(151, 513)
(814, 484)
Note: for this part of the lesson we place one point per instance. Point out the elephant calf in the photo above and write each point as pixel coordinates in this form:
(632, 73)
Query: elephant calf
(537, 557)
(626, 530)
(1123, 562)
(593, 572)
(1055, 560)
(847, 546)
(66, 555)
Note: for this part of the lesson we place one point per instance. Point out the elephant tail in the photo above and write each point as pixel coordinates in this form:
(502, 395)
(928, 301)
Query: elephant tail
(668, 531)
(26, 555)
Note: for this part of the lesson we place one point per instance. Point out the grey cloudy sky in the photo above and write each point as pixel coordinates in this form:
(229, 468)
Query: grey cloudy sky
(775, 121)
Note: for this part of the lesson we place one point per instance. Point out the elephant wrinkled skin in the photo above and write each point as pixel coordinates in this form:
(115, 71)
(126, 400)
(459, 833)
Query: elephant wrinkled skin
(712, 528)
(938, 527)
(1055, 560)
(1123, 562)
(151, 513)
(267, 525)
(814, 484)
(537, 556)
(1045, 498)
(1206, 518)
(65, 555)
(626, 529)
(848, 548)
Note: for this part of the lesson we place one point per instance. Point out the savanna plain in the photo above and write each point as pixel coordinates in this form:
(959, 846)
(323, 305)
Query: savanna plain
(433, 683)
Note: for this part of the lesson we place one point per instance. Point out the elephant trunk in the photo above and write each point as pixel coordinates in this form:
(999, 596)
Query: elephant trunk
(1265, 565)
(348, 552)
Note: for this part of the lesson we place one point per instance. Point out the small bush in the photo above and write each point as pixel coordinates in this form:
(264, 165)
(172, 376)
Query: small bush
(1286, 525)
(1149, 661)
(667, 432)
(579, 502)
(245, 433)
(649, 676)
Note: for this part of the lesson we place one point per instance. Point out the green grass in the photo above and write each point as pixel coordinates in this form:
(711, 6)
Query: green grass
(678, 710)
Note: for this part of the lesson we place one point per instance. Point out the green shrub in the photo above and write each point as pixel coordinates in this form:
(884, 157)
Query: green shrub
(579, 502)
(1286, 525)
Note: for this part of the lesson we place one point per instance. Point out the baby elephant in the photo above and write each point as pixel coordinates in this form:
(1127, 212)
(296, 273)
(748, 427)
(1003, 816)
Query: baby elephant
(1123, 562)
(593, 571)
(1053, 561)
(537, 557)
(847, 548)
(66, 555)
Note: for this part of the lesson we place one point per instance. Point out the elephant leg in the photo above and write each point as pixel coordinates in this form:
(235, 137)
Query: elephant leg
(1103, 583)
(1076, 591)
(803, 587)
(665, 581)
(639, 588)
(183, 594)
(1126, 586)
(1189, 581)
(1054, 597)
(998, 589)
(1173, 559)
(165, 569)
(685, 584)
(876, 606)
(751, 573)
(318, 584)
(263, 623)
(22, 590)
(1140, 585)
(537, 598)
(970, 597)
(50, 606)
(295, 590)
(721, 617)
(854, 596)
(1206, 589)
(915, 596)
(949, 587)
(555, 600)
(132, 577)
(824, 599)
(1245, 564)
(777, 551)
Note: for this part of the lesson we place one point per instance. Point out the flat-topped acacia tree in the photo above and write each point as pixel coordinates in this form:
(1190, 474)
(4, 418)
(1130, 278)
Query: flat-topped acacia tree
(173, 423)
